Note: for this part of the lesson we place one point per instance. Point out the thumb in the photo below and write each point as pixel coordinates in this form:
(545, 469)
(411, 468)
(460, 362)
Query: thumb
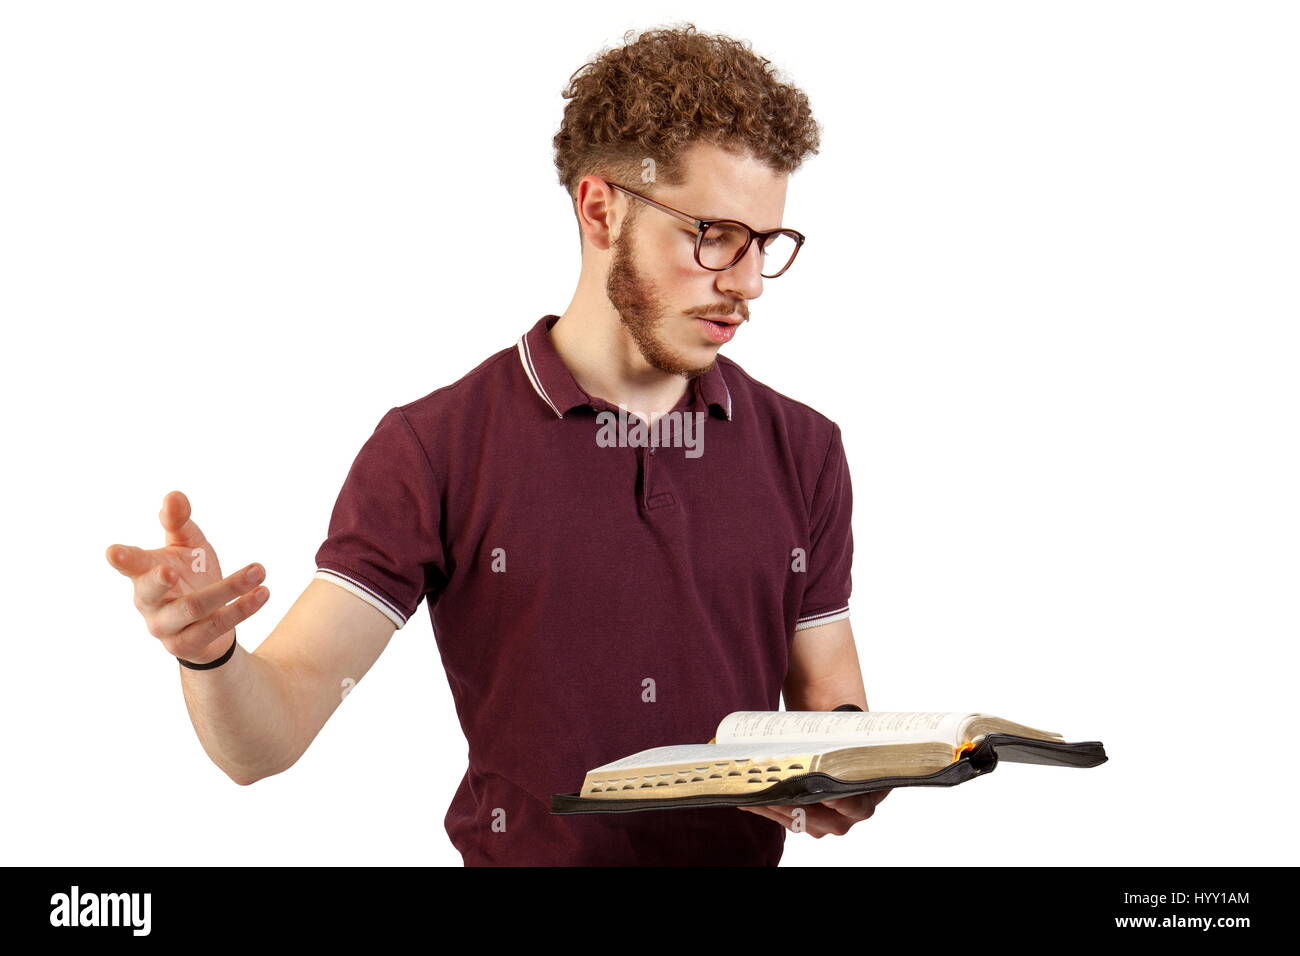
(130, 561)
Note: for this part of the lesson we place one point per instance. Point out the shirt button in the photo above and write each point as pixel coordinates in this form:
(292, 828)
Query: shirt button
(652, 451)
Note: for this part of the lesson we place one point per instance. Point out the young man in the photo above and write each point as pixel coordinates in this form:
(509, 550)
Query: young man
(592, 593)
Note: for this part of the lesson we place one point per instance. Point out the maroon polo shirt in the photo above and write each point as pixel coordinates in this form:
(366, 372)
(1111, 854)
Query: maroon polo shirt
(589, 602)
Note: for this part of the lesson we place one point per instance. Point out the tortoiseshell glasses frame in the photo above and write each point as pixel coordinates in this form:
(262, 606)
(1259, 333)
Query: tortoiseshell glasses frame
(702, 226)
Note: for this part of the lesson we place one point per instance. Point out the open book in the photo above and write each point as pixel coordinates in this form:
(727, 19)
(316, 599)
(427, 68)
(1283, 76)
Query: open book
(762, 757)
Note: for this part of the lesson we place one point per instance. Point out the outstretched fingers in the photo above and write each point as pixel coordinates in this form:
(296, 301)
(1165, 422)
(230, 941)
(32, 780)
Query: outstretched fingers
(199, 618)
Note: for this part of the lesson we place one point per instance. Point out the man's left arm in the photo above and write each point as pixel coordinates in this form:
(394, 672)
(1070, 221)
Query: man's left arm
(823, 673)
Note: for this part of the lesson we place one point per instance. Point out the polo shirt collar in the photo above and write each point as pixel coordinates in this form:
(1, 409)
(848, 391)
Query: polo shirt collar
(555, 385)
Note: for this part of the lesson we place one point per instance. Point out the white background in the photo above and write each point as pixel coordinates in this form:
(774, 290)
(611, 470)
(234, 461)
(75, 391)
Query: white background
(1049, 295)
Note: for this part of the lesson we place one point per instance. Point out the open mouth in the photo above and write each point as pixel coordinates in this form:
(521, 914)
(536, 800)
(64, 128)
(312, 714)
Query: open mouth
(719, 329)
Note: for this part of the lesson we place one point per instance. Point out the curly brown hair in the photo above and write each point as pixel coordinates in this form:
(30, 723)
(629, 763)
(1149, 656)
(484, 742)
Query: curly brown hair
(672, 88)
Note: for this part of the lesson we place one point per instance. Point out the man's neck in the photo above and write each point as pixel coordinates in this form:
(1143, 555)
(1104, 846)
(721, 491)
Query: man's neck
(606, 363)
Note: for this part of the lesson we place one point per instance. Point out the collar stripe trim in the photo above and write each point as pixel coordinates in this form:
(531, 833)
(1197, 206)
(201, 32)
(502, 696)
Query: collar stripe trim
(526, 359)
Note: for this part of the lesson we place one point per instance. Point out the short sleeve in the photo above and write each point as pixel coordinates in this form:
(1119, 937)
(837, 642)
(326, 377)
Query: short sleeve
(830, 551)
(383, 543)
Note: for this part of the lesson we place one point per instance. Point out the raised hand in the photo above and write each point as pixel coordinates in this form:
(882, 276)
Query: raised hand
(179, 589)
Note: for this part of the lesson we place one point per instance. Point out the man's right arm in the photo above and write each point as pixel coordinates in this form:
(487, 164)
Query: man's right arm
(257, 713)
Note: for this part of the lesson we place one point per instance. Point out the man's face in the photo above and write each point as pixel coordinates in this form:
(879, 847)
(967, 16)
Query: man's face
(661, 294)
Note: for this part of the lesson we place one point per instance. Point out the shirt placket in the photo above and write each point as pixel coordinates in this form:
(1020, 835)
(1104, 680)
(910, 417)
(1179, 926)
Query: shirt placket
(650, 466)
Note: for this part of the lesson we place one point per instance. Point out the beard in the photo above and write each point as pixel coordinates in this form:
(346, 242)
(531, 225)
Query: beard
(641, 311)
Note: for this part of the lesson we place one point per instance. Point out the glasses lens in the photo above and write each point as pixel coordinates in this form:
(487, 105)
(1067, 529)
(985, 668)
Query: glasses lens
(721, 244)
(777, 253)
(723, 241)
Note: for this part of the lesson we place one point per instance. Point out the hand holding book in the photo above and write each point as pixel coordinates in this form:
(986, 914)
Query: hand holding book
(830, 816)
(818, 819)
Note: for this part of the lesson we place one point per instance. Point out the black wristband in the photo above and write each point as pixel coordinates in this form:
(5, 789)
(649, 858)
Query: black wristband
(210, 664)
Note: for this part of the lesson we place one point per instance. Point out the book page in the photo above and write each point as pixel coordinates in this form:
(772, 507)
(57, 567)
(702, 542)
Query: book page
(856, 727)
(706, 754)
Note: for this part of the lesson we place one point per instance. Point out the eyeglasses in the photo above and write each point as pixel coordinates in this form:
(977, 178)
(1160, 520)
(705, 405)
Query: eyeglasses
(721, 243)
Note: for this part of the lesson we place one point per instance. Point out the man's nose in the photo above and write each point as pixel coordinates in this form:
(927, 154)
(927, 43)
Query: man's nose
(745, 277)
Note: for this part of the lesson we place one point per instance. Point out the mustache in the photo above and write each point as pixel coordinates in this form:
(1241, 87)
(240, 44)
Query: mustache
(722, 312)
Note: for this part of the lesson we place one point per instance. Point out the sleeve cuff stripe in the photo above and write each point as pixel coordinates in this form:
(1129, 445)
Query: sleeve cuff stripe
(825, 617)
(361, 591)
